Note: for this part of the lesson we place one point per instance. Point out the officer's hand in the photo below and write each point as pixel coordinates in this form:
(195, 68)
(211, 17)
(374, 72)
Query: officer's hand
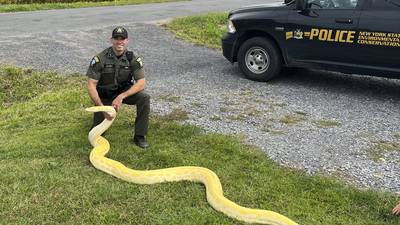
(117, 102)
(396, 210)
(108, 116)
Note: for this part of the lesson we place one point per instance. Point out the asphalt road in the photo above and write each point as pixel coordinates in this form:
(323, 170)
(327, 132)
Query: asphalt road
(200, 81)
(15, 24)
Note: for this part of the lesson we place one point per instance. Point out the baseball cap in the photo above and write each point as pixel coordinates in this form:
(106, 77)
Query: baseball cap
(119, 32)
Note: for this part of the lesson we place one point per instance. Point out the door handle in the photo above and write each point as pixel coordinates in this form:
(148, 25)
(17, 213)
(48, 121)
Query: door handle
(344, 20)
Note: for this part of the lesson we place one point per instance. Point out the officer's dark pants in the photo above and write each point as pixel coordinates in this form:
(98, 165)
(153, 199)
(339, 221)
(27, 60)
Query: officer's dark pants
(142, 102)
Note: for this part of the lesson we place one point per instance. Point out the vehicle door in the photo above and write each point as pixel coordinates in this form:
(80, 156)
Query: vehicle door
(379, 37)
(325, 32)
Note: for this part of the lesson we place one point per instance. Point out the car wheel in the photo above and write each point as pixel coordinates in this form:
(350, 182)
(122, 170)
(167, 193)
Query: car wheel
(259, 59)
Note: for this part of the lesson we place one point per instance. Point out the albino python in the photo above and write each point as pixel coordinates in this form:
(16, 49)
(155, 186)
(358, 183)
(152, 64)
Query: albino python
(203, 175)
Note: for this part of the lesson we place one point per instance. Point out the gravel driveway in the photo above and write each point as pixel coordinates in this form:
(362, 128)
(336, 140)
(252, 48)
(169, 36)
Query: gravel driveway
(320, 122)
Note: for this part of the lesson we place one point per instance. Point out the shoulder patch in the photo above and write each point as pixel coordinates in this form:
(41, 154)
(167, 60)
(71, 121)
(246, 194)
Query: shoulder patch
(139, 60)
(94, 61)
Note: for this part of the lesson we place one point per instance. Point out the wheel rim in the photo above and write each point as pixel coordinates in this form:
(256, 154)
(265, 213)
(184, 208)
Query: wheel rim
(257, 60)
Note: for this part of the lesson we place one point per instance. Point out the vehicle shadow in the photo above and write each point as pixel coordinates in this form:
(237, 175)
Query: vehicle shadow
(331, 82)
(339, 83)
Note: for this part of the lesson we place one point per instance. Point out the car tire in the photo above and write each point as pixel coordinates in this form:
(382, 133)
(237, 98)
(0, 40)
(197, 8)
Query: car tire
(259, 59)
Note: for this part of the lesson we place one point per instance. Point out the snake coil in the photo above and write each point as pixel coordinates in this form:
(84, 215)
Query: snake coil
(203, 175)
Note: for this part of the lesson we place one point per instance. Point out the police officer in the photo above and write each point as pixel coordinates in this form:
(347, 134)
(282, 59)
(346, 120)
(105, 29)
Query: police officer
(116, 76)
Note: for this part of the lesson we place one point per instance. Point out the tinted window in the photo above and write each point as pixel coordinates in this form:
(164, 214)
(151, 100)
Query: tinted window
(333, 4)
(386, 4)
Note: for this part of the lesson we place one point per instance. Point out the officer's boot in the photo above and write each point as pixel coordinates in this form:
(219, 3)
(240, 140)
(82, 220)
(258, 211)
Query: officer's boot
(140, 141)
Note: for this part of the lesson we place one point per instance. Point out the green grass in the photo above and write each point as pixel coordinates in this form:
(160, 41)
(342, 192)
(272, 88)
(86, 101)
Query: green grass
(301, 113)
(381, 147)
(215, 118)
(204, 30)
(46, 6)
(175, 115)
(168, 98)
(271, 130)
(292, 119)
(46, 176)
(326, 123)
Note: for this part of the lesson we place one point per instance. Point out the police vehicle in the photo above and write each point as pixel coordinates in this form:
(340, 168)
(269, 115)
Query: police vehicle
(350, 36)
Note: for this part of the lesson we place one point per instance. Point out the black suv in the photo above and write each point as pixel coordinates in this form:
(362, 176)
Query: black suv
(350, 36)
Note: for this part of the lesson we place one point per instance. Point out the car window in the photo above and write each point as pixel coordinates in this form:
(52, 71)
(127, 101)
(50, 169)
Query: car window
(333, 4)
(386, 4)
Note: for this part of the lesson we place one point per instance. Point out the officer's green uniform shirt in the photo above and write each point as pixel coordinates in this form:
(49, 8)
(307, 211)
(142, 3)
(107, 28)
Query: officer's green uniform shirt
(110, 70)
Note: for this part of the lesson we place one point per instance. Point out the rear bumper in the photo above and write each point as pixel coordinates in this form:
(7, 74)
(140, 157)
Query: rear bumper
(228, 47)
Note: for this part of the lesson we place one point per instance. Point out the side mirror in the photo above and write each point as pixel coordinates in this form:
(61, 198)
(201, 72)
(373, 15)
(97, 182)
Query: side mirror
(301, 5)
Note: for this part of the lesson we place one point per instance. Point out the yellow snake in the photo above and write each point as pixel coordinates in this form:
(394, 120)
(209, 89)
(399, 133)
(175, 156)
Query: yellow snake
(203, 175)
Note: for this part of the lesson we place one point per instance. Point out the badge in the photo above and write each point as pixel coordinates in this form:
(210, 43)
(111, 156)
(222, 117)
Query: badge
(139, 60)
(94, 61)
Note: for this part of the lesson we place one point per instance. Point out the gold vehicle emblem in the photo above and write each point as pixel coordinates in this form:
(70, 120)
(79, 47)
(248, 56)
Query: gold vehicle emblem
(298, 34)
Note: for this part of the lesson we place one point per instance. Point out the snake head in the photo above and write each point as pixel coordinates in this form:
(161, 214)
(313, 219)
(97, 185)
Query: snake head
(108, 109)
